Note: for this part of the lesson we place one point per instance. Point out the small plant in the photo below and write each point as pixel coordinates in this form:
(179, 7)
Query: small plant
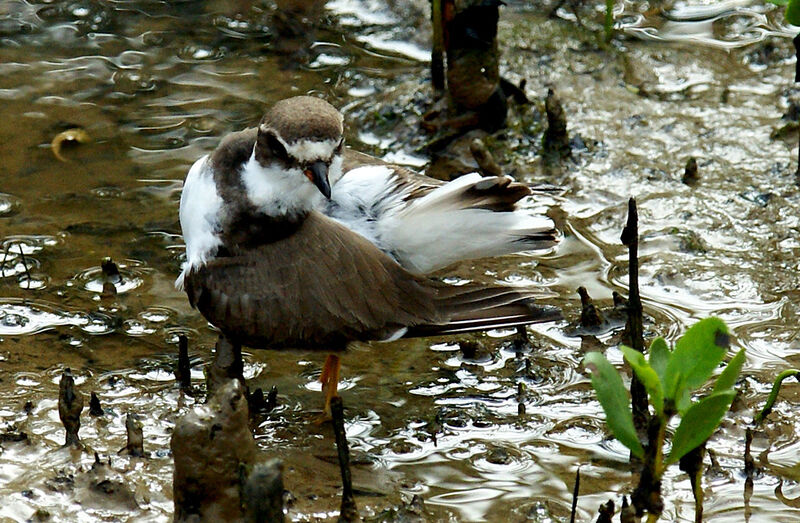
(792, 12)
(670, 377)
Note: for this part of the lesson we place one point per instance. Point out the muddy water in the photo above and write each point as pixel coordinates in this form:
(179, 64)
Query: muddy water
(155, 85)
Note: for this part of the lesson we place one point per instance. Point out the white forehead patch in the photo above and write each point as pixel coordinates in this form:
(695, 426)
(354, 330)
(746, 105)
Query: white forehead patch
(308, 150)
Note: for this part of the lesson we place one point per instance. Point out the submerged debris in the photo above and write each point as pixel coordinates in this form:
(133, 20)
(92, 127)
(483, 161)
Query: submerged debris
(260, 405)
(111, 271)
(70, 405)
(263, 493)
(70, 137)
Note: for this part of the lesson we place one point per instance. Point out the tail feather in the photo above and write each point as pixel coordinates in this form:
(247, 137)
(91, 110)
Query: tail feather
(484, 308)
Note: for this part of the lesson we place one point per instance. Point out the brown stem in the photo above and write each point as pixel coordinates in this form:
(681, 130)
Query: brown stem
(634, 330)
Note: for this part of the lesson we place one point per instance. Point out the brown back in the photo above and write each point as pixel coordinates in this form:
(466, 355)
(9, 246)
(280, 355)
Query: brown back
(318, 288)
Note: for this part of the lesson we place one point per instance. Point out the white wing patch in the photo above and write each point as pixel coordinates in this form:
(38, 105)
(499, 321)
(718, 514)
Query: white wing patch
(428, 233)
(199, 215)
(362, 198)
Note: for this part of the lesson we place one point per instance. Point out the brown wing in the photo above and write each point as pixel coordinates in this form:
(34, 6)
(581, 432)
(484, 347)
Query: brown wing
(319, 288)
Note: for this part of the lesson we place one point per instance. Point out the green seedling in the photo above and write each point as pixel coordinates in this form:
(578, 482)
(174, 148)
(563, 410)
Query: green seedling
(792, 12)
(670, 377)
(608, 20)
(773, 394)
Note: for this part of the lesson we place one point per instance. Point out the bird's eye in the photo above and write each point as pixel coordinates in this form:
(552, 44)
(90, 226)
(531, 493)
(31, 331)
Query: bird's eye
(277, 148)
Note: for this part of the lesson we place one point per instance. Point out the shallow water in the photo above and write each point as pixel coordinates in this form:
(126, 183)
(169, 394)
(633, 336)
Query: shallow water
(156, 85)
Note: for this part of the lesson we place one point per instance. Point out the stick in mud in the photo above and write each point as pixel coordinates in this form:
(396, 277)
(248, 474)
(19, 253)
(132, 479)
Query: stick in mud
(70, 405)
(227, 364)
(690, 174)
(183, 370)
(575, 491)
(633, 336)
(349, 511)
(627, 514)
(749, 471)
(135, 445)
(606, 512)
(590, 314)
(796, 42)
(556, 139)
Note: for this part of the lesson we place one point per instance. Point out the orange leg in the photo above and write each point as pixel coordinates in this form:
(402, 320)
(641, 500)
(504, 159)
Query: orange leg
(330, 381)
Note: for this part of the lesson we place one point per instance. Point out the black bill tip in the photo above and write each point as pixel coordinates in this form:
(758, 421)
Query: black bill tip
(317, 172)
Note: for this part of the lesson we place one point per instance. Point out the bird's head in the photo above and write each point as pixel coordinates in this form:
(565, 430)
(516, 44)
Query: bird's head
(303, 138)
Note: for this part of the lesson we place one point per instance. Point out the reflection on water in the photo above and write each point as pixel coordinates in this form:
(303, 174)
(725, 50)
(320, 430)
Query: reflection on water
(156, 84)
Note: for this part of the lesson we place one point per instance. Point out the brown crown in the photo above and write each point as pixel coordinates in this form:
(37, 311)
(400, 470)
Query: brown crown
(303, 117)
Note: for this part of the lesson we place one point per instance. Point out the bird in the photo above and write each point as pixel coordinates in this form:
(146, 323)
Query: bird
(295, 241)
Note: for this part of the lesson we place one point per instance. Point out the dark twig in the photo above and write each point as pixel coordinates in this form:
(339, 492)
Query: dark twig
(575, 491)
(749, 471)
(24, 264)
(348, 512)
(796, 42)
(437, 52)
(5, 257)
(183, 370)
(634, 330)
(692, 465)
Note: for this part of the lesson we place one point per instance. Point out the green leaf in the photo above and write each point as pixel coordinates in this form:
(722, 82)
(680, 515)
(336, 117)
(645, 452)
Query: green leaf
(792, 13)
(659, 357)
(697, 353)
(647, 375)
(778, 2)
(699, 423)
(683, 402)
(728, 376)
(615, 401)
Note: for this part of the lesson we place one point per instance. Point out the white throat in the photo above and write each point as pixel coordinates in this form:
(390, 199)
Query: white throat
(278, 191)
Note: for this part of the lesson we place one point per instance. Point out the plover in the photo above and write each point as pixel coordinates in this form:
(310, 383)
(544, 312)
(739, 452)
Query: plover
(293, 241)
